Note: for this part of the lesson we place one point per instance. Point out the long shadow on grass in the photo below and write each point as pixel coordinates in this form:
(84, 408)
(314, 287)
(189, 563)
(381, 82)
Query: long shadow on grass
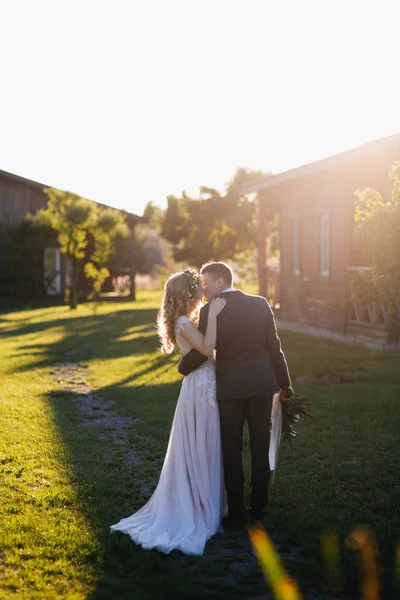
(109, 336)
(107, 491)
(20, 327)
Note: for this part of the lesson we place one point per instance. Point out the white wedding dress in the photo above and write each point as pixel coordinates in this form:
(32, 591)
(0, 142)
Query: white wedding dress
(187, 506)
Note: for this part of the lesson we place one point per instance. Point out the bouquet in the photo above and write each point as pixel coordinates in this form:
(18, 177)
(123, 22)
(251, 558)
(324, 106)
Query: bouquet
(285, 418)
(294, 409)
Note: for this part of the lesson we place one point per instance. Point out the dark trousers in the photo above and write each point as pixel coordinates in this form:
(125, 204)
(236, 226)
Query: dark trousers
(257, 411)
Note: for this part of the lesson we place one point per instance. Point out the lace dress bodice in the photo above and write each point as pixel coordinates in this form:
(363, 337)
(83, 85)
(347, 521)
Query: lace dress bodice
(204, 376)
(183, 345)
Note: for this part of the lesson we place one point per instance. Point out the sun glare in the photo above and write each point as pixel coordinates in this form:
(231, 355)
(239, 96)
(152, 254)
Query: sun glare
(148, 107)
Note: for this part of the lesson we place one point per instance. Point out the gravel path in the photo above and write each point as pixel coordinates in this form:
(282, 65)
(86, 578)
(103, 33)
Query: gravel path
(229, 556)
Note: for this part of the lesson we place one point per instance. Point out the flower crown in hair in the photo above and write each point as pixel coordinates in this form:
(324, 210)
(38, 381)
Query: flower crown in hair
(194, 281)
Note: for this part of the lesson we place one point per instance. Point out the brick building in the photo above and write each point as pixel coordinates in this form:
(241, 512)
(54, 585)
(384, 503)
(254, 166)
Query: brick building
(316, 204)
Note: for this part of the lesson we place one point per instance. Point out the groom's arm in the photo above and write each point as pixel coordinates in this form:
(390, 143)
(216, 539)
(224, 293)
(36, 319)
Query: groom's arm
(194, 359)
(276, 353)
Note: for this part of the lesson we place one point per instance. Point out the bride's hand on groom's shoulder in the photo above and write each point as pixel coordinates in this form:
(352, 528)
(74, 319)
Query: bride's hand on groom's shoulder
(216, 306)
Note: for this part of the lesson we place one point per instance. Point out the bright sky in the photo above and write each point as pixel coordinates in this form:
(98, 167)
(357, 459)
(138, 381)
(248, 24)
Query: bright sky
(125, 101)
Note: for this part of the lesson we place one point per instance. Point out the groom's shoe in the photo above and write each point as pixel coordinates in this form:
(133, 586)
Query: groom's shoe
(233, 523)
(255, 523)
(256, 519)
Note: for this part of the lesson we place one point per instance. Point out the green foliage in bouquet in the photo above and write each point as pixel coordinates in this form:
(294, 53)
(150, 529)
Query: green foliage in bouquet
(294, 411)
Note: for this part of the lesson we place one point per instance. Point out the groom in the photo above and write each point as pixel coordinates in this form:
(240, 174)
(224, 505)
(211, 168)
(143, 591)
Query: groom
(251, 367)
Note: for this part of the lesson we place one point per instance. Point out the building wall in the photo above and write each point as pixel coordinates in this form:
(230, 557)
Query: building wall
(18, 198)
(309, 297)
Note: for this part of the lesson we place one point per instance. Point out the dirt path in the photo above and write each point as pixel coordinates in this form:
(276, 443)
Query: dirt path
(95, 411)
(228, 559)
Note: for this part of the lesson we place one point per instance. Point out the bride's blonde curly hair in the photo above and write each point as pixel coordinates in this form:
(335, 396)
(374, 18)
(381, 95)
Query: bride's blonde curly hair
(182, 296)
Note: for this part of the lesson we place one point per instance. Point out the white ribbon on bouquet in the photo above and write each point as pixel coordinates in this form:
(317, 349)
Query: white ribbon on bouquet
(275, 435)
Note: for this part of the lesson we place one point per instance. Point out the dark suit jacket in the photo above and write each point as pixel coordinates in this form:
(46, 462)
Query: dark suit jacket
(249, 359)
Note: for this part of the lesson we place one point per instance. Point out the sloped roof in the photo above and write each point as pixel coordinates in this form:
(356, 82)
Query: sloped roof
(22, 179)
(337, 160)
(42, 186)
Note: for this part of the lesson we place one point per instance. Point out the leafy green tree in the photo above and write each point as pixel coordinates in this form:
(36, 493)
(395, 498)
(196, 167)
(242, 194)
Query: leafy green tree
(152, 250)
(109, 231)
(75, 219)
(154, 215)
(377, 236)
(174, 222)
(214, 226)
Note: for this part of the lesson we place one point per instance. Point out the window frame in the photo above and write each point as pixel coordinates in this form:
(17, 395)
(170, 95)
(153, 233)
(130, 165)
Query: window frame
(325, 250)
(53, 280)
(296, 246)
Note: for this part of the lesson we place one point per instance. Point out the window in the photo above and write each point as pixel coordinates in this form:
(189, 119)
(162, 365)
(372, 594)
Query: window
(325, 245)
(296, 246)
(52, 271)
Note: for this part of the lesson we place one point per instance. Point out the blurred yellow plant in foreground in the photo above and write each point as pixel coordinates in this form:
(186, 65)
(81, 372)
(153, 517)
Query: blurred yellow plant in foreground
(361, 540)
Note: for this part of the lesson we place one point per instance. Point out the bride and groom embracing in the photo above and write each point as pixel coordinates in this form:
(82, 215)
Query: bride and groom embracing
(200, 490)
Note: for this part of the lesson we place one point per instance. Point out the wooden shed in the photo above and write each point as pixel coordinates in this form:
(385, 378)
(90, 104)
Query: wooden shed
(316, 204)
(20, 196)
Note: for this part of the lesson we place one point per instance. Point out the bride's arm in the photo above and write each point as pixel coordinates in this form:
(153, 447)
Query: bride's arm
(205, 343)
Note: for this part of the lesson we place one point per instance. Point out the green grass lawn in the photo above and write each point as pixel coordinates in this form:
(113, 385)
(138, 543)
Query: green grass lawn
(63, 482)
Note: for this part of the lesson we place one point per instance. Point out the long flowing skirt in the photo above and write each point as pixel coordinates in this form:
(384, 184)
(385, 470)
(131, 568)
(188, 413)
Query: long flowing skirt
(186, 508)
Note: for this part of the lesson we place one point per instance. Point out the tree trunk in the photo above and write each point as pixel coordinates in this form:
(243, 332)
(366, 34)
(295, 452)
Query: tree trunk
(73, 292)
(132, 260)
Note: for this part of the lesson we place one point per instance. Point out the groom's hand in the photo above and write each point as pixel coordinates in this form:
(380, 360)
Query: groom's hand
(286, 393)
(194, 359)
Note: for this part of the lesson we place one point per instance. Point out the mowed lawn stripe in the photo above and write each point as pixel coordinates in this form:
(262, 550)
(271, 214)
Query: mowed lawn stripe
(63, 482)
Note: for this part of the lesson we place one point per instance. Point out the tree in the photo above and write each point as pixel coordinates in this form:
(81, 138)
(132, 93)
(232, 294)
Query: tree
(214, 226)
(109, 230)
(174, 221)
(152, 250)
(377, 235)
(153, 214)
(74, 219)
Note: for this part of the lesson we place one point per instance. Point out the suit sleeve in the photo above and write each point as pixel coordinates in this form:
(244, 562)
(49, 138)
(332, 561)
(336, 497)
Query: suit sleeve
(194, 359)
(275, 351)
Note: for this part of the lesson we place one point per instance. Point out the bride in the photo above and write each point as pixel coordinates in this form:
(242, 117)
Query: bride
(187, 506)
